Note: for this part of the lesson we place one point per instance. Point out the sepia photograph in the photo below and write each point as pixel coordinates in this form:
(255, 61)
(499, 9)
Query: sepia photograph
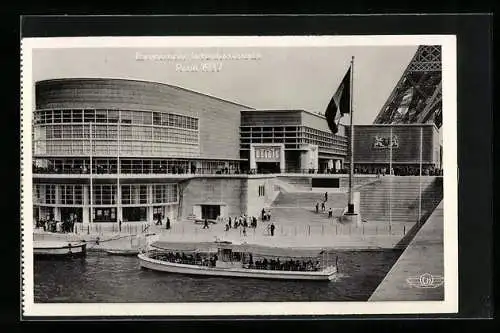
(239, 175)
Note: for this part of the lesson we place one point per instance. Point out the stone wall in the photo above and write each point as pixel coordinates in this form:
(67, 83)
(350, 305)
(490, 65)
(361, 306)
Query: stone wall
(236, 195)
(254, 201)
(212, 191)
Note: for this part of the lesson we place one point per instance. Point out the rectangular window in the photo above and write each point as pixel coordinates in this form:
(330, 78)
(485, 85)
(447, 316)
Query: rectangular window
(134, 214)
(261, 190)
(104, 194)
(57, 116)
(77, 116)
(104, 215)
(156, 118)
(112, 116)
(89, 116)
(147, 118)
(101, 116)
(66, 116)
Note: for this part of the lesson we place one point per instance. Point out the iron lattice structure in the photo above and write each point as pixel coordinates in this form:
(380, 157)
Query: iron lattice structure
(417, 97)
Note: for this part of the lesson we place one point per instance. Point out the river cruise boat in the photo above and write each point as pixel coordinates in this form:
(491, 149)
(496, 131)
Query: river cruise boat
(224, 259)
(45, 249)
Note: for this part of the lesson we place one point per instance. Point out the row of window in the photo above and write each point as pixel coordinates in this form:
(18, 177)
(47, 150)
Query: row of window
(105, 166)
(127, 132)
(110, 148)
(115, 116)
(104, 194)
(275, 129)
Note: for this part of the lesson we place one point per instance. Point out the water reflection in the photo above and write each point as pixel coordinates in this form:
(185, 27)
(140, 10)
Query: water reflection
(103, 278)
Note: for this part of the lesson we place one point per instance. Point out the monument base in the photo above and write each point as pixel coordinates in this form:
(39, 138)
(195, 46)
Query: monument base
(351, 218)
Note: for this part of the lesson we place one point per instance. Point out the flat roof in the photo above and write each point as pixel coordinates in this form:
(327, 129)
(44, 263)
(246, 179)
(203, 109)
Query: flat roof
(143, 81)
(286, 110)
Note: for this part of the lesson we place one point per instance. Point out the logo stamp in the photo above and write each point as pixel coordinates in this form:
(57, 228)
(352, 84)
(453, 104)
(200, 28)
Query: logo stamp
(425, 280)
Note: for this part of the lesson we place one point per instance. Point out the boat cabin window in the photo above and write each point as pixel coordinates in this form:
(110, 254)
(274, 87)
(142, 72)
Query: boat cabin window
(226, 254)
(236, 256)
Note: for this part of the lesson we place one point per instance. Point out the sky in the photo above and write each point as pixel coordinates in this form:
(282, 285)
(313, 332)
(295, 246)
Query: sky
(281, 78)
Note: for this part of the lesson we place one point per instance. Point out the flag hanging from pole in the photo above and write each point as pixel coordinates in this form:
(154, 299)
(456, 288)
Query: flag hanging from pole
(340, 103)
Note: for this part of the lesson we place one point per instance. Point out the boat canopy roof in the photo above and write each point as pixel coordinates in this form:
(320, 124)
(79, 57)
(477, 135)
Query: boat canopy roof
(256, 250)
(266, 251)
(185, 247)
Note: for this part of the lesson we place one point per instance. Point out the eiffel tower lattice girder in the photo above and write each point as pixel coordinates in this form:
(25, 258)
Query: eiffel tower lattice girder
(417, 95)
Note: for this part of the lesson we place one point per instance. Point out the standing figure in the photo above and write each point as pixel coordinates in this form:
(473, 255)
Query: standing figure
(167, 225)
(326, 196)
(205, 224)
(272, 227)
(330, 213)
(317, 207)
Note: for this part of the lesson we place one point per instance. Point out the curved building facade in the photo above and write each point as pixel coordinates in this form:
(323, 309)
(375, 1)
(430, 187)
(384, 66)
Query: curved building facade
(102, 148)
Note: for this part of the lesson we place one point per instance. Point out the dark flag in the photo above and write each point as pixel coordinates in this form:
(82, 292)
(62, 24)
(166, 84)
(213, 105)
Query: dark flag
(340, 103)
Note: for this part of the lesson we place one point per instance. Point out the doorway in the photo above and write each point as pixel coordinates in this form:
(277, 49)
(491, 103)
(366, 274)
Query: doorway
(210, 212)
(268, 167)
(71, 214)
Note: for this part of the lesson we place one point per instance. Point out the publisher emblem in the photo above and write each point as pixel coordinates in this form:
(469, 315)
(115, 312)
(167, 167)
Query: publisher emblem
(425, 280)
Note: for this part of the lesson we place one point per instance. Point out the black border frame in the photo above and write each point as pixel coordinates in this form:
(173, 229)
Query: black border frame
(474, 113)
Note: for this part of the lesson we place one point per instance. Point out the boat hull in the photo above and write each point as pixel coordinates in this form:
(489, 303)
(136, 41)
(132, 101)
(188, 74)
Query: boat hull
(60, 251)
(163, 266)
(126, 253)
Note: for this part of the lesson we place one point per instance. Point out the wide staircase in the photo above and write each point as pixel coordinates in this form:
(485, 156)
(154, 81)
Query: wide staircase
(396, 199)
(298, 182)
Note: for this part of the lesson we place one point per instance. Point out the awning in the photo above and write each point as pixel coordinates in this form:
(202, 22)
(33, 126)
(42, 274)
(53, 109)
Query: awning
(184, 247)
(259, 250)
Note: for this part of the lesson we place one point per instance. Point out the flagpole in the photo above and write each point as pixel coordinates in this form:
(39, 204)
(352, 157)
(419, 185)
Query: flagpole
(350, 206)
(118, 171)
(420, 177)
(91, 166)
(390, 179)
(390, 153)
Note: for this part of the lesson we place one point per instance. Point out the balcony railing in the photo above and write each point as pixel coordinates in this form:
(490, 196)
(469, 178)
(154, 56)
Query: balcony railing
(402, 171)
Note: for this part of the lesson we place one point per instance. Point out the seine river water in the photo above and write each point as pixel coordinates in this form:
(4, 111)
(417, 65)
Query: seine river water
(103, 278)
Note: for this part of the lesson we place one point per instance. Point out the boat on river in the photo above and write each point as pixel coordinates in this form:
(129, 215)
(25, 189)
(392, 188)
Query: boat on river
(225, 259)
(123, 252)
(44, 249)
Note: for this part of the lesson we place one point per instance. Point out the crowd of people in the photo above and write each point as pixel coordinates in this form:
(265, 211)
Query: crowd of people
(323, 206)
(51, 225)
(244, 222)
(399, 171)
(111, 169)
(288, 265)
(265, 264)
(189, 259)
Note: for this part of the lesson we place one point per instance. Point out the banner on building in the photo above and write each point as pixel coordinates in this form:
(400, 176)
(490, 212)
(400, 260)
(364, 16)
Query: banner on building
(381, 142)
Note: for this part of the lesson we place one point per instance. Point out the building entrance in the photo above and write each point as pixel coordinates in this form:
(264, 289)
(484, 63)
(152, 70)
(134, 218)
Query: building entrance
(71, 214)
(210, 212)
(268, 167)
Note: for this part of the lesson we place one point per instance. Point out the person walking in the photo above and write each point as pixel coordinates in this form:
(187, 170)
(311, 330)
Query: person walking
(263, 214)
(330, 213)
(167, 224)
(205, 224)
(272, 227)
(317, 207)
(120, 225)
(326, 196)
(229, 222)
(323, 206)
